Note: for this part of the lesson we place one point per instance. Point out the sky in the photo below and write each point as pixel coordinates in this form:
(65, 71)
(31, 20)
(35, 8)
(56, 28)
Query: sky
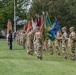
(29, 5)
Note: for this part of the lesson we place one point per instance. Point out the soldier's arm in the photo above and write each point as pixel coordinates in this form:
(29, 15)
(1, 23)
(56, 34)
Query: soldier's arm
(73, 37)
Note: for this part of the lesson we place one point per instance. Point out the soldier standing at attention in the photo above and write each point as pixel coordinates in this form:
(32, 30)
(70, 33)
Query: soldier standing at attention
(64, 42)
(23, 39)
(29, 42)
(50, 47)
(38, 43)
(72, 39)
(57, 43)
(58, 35)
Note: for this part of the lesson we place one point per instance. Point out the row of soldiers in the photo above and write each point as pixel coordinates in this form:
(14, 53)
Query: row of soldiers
(67, 41)
(32, 41)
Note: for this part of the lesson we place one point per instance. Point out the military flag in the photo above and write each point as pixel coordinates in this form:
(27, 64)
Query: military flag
(49, 34)
(55, 27)
(48, 24)
(9, 27)
(38, 20)
(26, 26)
(34, 24)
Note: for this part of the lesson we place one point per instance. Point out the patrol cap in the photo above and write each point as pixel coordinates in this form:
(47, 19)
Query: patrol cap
(72, 28)
(64, 28)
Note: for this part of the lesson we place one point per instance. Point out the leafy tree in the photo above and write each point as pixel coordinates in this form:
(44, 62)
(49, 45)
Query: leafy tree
(63, 10)
(7, 10)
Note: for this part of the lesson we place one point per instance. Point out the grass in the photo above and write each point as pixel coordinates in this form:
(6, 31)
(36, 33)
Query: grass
(17, 62)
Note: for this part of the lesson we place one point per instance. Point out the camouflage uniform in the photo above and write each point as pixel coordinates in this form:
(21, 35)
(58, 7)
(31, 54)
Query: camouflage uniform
(18, 37)
(38, 44)
(21, 38)
(58, 35)
(57, 44)
(64, 43)
(45, 46)
(72, 39)
(50, 47)
(29, 43)
(24, 39)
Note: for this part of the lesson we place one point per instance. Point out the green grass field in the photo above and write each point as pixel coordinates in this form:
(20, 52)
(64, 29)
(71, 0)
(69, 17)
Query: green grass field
(17, 62)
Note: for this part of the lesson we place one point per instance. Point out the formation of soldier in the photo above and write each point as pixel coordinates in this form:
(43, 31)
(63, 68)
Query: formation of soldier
(31, 40)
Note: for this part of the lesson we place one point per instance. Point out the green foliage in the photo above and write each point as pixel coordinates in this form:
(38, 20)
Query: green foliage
(7, 10)
(63, 10)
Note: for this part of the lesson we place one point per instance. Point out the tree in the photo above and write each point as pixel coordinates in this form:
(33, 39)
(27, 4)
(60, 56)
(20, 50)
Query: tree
(7, 10)
(63, 10)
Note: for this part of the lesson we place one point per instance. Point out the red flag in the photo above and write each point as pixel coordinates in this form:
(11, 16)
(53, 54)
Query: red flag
(38, 19)
(25, 26)
(31, 23)
(9, 26)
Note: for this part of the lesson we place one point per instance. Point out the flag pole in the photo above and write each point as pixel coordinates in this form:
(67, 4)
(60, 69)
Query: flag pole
(14, 16)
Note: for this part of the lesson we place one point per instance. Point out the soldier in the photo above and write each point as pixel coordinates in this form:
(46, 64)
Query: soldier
(58, 35)
(64, 42)
(17, 37)
(29, 42)
(38, 44)
(57, 45)
(24, 38)
(72, 39)
(50, 47)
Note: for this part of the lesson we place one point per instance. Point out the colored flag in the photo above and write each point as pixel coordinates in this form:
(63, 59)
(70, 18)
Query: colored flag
(25, 26)
(34, 24)
(9, 26)
(29, 24)
(38, 20)
(50, 35)
(55, 27)
(46, 27)
(44, 32)
(48, 24)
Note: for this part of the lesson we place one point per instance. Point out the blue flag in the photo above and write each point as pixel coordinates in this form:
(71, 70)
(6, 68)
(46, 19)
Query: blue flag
(55, 27)
(50, 35)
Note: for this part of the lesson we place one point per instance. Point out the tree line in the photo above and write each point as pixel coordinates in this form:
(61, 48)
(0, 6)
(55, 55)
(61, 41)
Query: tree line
(63, 10)
(7, 11)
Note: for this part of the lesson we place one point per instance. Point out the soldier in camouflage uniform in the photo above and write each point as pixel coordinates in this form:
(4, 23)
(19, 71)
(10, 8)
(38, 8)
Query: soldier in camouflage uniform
(38, 44)
(72, 39)
(57, 45)
(23, 39)
(29, 42)
(64, 42)
(50, 47)
(18, 37)
(58, 36)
